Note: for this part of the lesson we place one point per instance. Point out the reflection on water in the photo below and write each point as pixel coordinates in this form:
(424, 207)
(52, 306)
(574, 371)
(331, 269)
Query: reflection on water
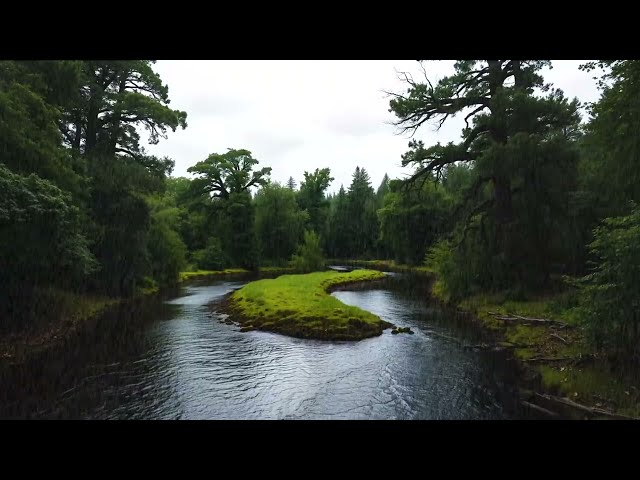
(179, 361)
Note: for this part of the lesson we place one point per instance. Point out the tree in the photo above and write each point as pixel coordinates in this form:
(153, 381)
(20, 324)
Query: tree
(337, 241)
(220, 175)
(291, 184)
(383, 189)
(167, 253)
(363, 224)
(311, 197)
(412, 219)
(29, 135)
(115, 98)
(611, 151)
(513, 134)
(41, 241)
(227, 179)
(279, 222)
(610, 301)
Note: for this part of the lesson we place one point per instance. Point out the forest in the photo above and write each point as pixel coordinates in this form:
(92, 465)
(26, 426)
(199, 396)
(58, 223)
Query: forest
(534, 198)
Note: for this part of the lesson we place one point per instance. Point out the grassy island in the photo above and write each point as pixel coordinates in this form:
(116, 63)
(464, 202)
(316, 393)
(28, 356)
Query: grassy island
(300, 306)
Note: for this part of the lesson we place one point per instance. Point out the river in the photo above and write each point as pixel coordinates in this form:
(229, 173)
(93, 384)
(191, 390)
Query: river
(175, 360)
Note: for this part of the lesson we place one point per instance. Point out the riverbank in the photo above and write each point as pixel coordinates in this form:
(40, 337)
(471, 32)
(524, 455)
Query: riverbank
(63, 313)
(232, 272)
(384, 265)
(300, 306)
(547, 339)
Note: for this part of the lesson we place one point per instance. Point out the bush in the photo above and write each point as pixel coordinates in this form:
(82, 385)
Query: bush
(211, 257)
(610, 296)
(444, 260)
(167, 254)
(309, 257)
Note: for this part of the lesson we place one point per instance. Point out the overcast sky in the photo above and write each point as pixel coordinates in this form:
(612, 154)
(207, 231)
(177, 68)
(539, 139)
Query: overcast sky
(301, 115)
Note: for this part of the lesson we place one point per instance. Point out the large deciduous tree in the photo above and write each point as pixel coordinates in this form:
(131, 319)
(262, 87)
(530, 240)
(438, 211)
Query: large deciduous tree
(223, 174)
(227, 178)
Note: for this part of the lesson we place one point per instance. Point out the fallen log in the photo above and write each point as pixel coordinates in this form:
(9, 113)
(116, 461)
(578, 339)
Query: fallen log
(584, 408)
(519, 318)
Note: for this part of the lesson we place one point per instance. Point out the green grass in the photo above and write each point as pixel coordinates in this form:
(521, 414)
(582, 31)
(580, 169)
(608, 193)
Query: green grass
(188, 275)
(280, 270)
(300, 306)
(210, 273)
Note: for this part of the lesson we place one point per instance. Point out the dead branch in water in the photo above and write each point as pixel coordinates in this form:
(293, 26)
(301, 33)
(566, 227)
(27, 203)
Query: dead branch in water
(538, 408)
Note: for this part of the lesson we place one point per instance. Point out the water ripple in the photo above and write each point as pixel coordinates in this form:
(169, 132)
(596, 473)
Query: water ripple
(186, 364)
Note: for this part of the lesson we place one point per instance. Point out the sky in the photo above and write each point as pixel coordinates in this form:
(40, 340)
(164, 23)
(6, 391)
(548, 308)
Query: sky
(296, 116)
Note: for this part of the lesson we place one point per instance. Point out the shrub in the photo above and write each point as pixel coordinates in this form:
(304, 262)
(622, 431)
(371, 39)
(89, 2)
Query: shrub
(211, 257)
(610, 294)
(309, 257)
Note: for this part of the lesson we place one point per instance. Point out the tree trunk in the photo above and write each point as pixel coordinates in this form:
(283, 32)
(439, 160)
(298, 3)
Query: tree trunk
(501, 182)
(78, 135)
(115, 126)
(92, 122)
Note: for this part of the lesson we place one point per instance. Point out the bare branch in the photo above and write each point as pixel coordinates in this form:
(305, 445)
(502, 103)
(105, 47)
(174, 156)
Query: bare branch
(477, 110)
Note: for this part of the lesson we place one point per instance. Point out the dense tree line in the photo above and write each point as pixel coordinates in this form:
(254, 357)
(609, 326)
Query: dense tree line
(532, 191)
(81, 201)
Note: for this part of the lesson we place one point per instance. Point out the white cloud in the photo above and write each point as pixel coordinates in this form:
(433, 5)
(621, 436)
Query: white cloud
(301, 115)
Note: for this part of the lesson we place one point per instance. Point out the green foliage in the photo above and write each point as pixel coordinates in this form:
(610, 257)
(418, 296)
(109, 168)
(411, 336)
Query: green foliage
(363, 227)
(452, 275)
(611, 151)
(279, 222)
(41, 240)
(212, 257)
(237, 227)
(383, 190)
(611, 293)
(338, 236)
(119, 96)
(30, 140)
(411, 219)
(521, 148)
(166, 251)
(220, 175)
(311, 197)
(309, 257)
(223, 188)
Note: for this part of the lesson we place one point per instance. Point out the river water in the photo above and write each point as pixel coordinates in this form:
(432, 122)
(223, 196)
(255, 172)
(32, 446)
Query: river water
(175, 360)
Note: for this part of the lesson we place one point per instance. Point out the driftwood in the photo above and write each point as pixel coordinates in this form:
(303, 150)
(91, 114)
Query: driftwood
(555, 335)
(519, 318)
(548, 359)
(538, 408)
(584, 408)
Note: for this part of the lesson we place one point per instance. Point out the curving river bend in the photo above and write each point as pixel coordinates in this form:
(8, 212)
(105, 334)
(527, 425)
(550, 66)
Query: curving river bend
(177, 361)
